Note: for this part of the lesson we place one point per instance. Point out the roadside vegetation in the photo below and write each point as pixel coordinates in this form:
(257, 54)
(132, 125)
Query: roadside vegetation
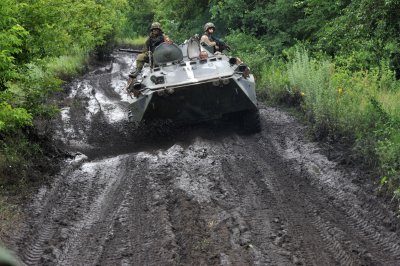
(138, 41)
(42, 44)
(337, 62)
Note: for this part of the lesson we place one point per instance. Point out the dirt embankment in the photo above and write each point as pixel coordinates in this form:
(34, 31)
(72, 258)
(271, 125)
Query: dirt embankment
(200, 195)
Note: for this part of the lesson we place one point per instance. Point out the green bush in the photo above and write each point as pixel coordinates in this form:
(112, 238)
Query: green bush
(12, 119)
(41, 43)
(12, 36)
(58, 27)
(33, 88)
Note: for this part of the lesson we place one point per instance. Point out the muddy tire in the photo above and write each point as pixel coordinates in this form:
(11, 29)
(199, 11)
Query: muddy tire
(249, 121)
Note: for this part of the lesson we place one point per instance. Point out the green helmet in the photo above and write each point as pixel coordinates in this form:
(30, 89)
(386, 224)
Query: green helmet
(209, 25)
(155, 25)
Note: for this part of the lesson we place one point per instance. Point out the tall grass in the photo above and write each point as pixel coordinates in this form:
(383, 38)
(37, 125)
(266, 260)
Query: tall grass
(311, 80)
(67, 65)
(363, 107)
(131, 42)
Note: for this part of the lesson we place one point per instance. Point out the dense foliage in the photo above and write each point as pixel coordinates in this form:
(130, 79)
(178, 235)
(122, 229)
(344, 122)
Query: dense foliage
(337, 61)
(41, 42)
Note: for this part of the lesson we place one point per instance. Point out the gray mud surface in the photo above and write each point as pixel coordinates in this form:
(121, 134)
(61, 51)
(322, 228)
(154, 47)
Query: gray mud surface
(197, 195)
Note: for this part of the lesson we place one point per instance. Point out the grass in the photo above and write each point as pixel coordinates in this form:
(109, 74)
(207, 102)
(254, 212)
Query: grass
(68, 65)
(131, 42)
(362, 106)
(390, 101)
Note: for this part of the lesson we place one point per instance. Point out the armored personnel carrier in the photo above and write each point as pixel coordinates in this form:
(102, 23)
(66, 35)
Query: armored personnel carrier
(189, 84)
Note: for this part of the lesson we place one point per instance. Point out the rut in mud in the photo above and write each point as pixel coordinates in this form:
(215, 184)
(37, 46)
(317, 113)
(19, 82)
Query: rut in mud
(199, 195)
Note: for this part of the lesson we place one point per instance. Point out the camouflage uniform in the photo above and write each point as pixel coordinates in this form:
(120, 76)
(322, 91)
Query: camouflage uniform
(155, 39)
(207, 39)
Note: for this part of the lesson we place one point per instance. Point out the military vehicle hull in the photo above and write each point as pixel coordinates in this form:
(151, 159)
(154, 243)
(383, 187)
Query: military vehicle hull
(192, 90)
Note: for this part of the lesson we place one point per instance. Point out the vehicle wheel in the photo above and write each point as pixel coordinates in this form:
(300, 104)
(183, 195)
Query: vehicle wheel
(249, 121)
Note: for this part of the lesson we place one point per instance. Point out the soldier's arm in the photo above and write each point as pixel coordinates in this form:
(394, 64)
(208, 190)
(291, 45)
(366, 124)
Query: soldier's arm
(206, 40)
(146, 46)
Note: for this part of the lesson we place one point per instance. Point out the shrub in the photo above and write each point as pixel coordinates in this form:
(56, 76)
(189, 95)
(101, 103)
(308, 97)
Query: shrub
(12, 119)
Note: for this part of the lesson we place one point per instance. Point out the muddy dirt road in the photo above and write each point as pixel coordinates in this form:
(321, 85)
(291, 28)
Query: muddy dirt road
(200, 195)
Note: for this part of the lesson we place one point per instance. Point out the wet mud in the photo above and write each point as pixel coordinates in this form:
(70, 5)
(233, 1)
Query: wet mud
(198, 195)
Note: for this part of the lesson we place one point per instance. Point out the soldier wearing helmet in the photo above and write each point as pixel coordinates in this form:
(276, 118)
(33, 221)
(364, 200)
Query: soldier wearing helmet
(211, 43)
(156, 37)
(207, 38)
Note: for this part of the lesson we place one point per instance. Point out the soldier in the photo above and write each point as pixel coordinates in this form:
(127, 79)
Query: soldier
(155, 38)
(208, 40)
(203, 56)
